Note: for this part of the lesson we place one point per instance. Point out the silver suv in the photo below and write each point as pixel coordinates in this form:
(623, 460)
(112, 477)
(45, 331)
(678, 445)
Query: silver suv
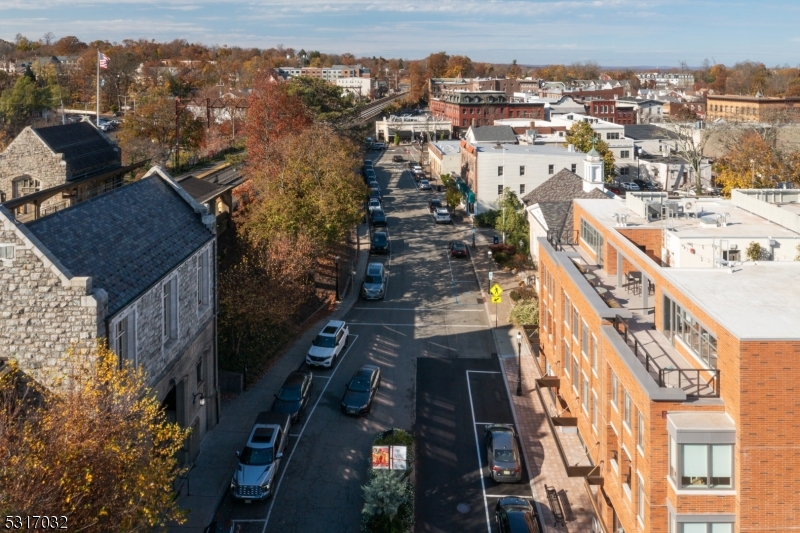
(375, 282)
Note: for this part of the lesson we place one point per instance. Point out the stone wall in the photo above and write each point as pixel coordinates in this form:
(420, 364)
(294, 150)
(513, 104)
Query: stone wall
(29, 155)
(44, 309)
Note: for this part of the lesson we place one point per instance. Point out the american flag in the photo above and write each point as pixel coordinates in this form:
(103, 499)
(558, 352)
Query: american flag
(104, 59)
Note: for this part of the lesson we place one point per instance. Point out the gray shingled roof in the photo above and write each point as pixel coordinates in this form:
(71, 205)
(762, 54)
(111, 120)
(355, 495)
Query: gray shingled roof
(555, 197)
(84, 148)
(126, 239)
(494, 134)
(201, 190)
(644, 132)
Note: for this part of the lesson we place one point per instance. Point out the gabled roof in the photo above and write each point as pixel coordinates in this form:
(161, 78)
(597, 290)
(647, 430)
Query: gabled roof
(202, 191)
(493, 134)
(645, 132)
(126, 239)
(84, 148)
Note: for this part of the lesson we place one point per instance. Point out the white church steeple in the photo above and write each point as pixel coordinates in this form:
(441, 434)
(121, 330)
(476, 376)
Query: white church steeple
(592, 171)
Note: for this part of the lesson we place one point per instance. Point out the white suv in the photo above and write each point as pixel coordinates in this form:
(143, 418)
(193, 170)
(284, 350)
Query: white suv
(442, 216)
(328, 344)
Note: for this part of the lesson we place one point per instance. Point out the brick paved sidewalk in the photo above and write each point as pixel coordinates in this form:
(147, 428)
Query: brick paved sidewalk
(539, 447)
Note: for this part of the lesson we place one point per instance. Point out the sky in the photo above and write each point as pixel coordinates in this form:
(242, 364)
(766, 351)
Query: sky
(534, 32)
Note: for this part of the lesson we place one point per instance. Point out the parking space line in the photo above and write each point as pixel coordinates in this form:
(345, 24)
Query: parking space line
(508, 496)
(419, 308)
(484, 372)
(478, 452)
(302, 429)
(418, 326)
(251, 520)
(321, 377)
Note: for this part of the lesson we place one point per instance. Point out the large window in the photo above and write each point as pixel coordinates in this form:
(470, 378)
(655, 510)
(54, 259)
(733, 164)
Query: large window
(585, 393)
(202, 264)
(640, 431)
(575, 371)
(169, 300)
(585, 340)
(594, 411)
(626, 409)
(701, 466)
(614, 390)
(681, 324)
(706, 527)
(576, 321)
(594, 354)
(567, 357)
(123, 338)
(640, 497)
(593, 238)
(567, 307)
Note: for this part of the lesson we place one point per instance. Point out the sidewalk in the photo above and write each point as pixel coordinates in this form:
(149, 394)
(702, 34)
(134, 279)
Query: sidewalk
(208, 479)
(538, 442)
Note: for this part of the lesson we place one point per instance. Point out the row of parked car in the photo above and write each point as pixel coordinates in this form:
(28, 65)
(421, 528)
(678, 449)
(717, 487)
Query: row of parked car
(256, 473)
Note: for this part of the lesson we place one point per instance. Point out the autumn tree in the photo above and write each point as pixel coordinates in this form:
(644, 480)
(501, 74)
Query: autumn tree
(583, 138)
(755, 164)
(98, 450)
(323, 101)
(24, 101)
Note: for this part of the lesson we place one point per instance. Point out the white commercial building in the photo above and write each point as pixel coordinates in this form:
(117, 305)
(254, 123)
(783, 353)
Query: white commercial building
(444, 157)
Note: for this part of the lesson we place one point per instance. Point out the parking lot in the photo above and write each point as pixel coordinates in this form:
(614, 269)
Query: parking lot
(455, 400)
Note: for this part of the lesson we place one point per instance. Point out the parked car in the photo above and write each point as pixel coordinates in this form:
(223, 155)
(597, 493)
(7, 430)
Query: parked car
(418, 174)
(378, 218)
(502, 453)
(369, 175)
(379, 243)
(442, 216)
(375, 193)
(458, 249)
(368, 162)
(373, 185)
(412, 164)
(645, 185)
(616, 190)
(629, 186)
(425, 185)
(379, 146)
(375, 282)
(294, 394)
(374, 203)
(259, 461)
(328, 344)
(515, 515)
(434, 204)
(361, 389)
(397, 158)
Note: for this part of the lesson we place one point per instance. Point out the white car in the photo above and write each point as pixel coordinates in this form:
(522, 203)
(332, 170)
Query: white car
(425, 185)
(442, 216)
(629, 186)
(374, 203)
(328, 344)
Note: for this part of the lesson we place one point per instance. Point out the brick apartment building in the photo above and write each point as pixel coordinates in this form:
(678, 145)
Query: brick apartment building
(749, 108)
(439, 86)
(481, 108)
(674, 360)
(613, 111)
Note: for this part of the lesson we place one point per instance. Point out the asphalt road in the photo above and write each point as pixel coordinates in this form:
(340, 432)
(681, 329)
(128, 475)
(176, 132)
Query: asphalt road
(454, 489)
(431, 310)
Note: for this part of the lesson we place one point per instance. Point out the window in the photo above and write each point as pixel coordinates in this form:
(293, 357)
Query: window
(198, 370)
(585, 340)
(124, 337)
(614, 390)
(500, 171)
(576, 321)
(706, 527)
(566, 357)
(591, 237)
(6, 251)
(585, 393)
(624, 171)
(640, 431)
(684, 326)
(522, 188)
(640, 497)
(550, 169)
(626, 409)
(169, 301)
(624, 154)
(500, 190)
(522, 170)
(594, 354)
(575, 370)
(203, 280)
(701, 466)
(574, 168)
(464, 122)
(567, 308)
(594, 411)
(614, 135)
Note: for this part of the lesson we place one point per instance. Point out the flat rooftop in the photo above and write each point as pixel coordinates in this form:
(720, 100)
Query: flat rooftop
(448, 147)
(534, 149)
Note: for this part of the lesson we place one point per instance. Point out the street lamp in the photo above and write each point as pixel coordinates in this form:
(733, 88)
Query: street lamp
(336, 262)
(519, 352)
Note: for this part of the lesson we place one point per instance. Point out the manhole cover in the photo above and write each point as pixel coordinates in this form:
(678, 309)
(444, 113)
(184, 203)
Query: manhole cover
(462, 508)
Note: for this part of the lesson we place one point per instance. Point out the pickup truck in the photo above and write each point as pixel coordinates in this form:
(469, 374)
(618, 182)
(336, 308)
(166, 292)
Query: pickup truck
(255, 475)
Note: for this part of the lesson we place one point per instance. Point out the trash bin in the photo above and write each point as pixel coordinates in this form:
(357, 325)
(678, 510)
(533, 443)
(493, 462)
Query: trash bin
(495, 239)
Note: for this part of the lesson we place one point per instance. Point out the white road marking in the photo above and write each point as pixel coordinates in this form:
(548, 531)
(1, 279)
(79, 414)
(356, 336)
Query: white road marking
(459, 310)
(418, 325)
(485, 372)
(478, 451)
(307, 419)
(507, 496)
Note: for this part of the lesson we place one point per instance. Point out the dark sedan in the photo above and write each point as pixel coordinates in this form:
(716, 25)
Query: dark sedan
(379, 243)
(360, 392)
(397, 158)
(434, 204)
(458, 249)
(378, 218)
(505, 464)
(515, 515)
(293, 396)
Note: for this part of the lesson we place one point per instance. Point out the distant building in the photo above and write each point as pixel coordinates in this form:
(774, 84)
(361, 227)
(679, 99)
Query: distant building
(646, 110)
(750, 108)
(614, 111)
(481, 108)
(444, 157)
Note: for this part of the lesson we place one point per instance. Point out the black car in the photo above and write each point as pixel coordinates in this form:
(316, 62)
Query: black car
(645, 185)
(294, 393)
(434, 204)
(397, 158)
(378, 218)
(515, 515)
(458, 249)
(361, 389)
(379, 243)
(376, 193)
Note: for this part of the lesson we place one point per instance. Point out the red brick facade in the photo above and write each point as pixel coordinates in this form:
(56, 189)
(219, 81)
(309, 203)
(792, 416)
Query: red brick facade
(464, 115)
(758, 380)
(611, 111)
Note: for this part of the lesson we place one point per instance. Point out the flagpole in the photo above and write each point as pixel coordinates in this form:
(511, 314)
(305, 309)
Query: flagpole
(97, 121)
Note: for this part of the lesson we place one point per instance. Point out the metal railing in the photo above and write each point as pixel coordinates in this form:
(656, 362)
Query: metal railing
(691, 380)
(557, 240)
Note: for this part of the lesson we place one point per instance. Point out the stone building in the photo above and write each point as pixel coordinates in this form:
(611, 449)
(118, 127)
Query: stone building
(136, 266)
(46, 158)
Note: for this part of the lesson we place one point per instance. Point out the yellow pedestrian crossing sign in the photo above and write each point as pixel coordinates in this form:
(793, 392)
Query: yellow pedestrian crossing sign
(495, 291)
(497, 299)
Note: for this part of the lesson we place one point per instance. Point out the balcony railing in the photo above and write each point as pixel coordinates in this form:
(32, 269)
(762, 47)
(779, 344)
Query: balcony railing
(691, 380)
(557, 239)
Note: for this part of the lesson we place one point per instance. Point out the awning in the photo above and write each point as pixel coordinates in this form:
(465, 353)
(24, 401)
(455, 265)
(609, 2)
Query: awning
(464, 188)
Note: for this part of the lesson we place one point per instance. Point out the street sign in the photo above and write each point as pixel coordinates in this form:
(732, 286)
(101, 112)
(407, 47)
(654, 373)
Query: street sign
(496, 290)
(497, 299)
(490, 276)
